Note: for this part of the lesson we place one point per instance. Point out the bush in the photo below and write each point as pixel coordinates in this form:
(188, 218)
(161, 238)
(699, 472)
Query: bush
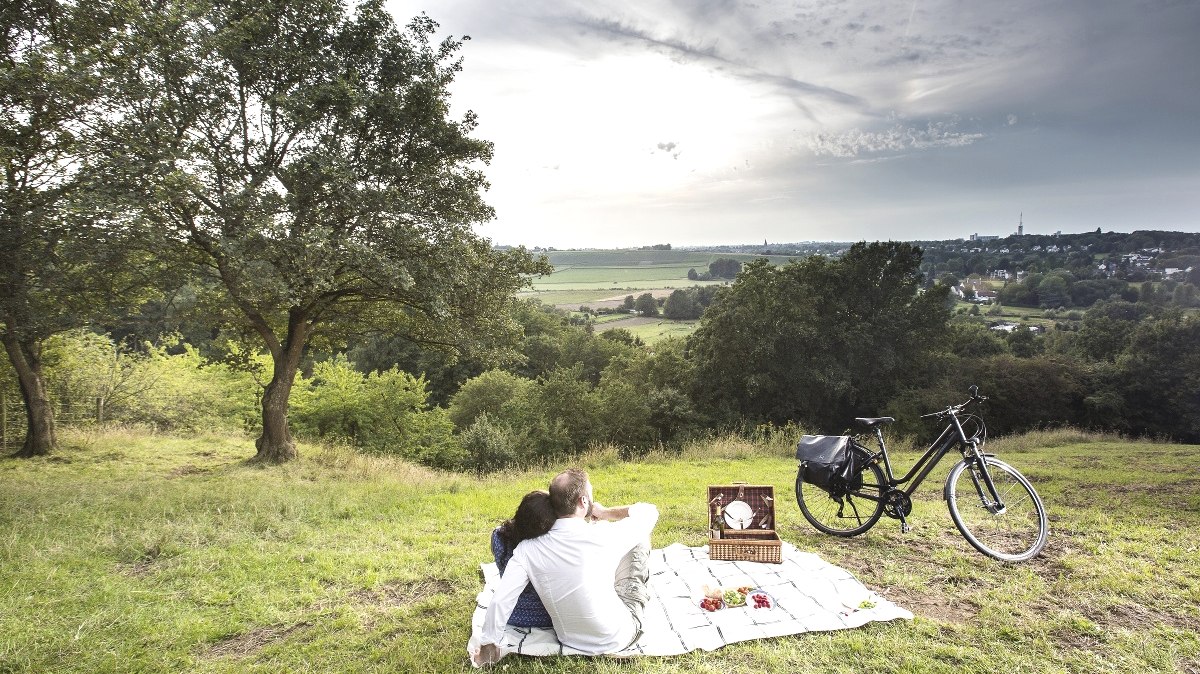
(490, 393)
(179, 392)
(489, 446)
(383, 412)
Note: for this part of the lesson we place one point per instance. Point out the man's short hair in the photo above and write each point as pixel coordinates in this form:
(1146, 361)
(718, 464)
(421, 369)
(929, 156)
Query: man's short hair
(566, 489)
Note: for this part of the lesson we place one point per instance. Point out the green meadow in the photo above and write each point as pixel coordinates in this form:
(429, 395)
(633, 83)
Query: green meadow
(128, 551)
(623, 270)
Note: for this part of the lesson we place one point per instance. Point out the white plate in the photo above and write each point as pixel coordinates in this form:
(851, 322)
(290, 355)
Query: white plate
(738, 515)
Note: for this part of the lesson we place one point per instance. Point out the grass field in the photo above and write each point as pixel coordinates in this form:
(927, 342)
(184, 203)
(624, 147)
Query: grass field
(650, 330)
(131, 552)
(628, 270)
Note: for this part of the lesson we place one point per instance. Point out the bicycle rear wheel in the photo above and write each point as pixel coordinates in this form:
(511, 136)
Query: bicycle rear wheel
(1014, 533)
(848, 513)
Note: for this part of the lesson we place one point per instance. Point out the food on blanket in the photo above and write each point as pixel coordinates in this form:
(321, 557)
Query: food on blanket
(745, 589)
(734, 598)
(866, 603)
(760, 600)
(710, 604)
(713, 592)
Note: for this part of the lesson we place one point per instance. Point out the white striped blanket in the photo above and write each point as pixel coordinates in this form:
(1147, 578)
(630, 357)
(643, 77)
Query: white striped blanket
(807, 593)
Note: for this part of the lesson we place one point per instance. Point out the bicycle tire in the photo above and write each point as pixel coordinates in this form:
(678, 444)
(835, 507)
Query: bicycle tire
(843, 515)
(1016, 534)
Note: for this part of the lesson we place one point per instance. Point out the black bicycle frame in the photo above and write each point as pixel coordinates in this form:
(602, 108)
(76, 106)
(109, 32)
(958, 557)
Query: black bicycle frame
(951, 436)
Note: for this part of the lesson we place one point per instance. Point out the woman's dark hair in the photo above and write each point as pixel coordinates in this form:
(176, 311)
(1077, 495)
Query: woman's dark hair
(533, 518)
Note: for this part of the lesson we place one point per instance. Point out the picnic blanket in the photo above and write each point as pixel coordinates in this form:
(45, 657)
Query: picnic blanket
(807, 594)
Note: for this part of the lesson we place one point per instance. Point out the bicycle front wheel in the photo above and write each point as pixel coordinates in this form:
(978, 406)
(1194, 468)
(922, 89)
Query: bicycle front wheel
(1012, 530)
(843, 514)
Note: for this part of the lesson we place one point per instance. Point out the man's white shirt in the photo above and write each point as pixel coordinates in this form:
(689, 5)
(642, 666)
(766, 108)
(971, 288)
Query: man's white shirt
(573, 567)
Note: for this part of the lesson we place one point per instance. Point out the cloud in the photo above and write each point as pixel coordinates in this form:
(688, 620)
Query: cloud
(843, 107)
(709, 51)
(899, 138)
(669, 148)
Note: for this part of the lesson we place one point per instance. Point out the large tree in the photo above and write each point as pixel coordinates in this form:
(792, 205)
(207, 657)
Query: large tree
(64, 256)
(303, 157)
(820, 340)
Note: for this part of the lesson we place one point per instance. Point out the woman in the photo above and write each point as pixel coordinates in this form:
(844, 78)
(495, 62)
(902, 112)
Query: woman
(533, 518)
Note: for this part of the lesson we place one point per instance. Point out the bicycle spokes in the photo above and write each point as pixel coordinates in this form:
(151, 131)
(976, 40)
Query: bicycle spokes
(999, 514)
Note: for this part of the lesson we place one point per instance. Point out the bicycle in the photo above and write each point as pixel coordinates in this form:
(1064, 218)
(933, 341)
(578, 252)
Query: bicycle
(993, 505)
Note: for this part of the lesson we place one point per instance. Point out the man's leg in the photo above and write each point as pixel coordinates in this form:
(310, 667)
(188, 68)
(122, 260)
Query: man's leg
(632, 585)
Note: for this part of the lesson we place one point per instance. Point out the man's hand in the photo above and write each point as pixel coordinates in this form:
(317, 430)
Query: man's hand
(599, 512)
(488, 654)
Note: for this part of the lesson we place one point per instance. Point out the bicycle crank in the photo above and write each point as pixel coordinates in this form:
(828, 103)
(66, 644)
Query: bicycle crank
(897, 505)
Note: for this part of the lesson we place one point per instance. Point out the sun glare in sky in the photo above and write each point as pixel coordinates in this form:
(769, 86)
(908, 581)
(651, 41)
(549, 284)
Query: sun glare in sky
(624, 124)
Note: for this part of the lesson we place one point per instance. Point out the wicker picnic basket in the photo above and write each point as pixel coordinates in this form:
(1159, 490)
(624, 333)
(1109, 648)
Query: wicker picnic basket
(741, 519)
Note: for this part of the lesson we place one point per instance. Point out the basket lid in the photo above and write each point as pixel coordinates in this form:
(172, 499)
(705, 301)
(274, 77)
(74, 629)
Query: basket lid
(741, 506)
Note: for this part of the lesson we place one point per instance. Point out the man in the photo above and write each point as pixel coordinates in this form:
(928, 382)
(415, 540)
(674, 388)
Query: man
(591, 575)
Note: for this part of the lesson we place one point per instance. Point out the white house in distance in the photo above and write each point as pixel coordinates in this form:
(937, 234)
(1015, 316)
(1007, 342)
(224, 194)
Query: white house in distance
(983, 294)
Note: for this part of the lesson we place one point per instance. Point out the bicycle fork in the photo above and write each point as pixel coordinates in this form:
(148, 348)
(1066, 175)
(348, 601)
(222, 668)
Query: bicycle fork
(985, 488)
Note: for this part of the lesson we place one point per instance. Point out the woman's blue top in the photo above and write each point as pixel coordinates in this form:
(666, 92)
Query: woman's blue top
(529, 611)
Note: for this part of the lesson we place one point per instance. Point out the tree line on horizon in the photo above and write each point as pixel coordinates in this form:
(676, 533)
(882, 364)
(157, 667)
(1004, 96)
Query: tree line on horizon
(805, 346)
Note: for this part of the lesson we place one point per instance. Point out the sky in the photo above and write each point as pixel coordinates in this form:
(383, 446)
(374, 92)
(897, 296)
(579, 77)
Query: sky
(701, 122)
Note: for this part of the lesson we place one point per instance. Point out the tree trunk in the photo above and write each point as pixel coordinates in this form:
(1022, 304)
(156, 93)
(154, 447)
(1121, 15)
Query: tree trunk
(275, 445)
(40, 438)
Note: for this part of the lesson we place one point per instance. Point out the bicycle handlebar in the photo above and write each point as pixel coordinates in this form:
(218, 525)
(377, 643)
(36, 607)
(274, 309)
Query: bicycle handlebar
(955, 409)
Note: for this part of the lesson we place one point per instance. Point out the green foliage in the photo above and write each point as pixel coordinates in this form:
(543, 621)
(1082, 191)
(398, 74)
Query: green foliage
(384, 412)
(491, 393)
(724, 267)
(819, 340)
(680, 306)
(443, 372)
(970, 339)
(1022, 342)
(1107, 328)
(181, 391)
(68, 251)
(304, 158)
(1160, 375)
(490, 447)
(688, 303)
(1054, 291)
(646, 305)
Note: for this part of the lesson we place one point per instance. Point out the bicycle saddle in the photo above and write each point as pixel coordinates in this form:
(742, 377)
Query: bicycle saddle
(872, 422)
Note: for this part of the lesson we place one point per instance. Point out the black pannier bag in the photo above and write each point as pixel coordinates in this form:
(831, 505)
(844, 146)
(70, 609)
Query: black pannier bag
(830, 462)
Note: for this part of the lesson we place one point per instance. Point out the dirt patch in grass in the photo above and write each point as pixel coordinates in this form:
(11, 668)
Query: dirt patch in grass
(241, 645)
(936, 606)
(939, 596)
(1049, 562)
(1140, 616)
(1072, 640)
(402, 593)
(141, 567)
(187, 469)
(1190, 666)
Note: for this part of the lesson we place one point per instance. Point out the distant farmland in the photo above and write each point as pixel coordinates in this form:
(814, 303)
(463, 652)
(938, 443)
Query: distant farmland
(603, 278)
(630, 269)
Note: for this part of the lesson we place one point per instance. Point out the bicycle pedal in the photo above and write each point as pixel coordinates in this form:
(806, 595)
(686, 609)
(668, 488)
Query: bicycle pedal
(905, 528)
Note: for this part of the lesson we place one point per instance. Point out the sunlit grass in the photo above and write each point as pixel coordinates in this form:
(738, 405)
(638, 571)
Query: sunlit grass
(134, 552)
